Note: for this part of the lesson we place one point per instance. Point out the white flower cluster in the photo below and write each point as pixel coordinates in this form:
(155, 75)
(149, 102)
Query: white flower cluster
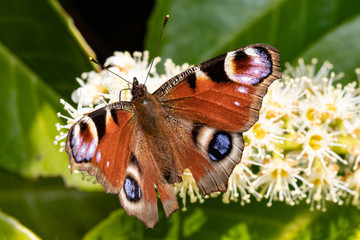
(305, 146)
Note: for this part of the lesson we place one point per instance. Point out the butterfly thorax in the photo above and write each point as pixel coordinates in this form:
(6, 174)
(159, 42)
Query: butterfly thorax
(146, 109)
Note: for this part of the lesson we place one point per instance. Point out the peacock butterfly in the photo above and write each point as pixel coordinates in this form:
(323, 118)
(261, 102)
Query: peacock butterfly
(193, 121)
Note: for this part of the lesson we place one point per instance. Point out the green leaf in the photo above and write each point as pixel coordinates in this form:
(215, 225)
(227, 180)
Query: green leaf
(117, 226)
(341, 47)
(52, 210)
(121, 226)
(215, 220)
(194, 222)
(41, 35)
(28, 101)
(204, 29)
(203, 24)
(28, 124)
(10, 229)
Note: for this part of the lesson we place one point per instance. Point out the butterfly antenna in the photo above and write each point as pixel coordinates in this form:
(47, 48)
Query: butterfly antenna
(157, 47)
(104, 68)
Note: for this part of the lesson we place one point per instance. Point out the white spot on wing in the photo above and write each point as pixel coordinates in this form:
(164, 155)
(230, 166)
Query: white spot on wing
(83, 149)
(91, 151)
(98, 156)
(246, 79)
(108, 116)
(107, 163)
(91, 126)
(200, 74)
(231, 54)
(242, 89)
(237, 103)
(76, 141)
(133, 171)
(236, 151)
(257, 60)
(204, 136)
(251, 52)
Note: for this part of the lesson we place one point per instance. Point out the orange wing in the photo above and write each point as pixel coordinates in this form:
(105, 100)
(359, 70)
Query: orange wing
(225, 92)
(99, 143)
(210, 105)
(110, 146)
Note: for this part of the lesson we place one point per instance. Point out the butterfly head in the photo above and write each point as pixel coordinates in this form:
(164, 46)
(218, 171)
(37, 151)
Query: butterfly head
(138, 90)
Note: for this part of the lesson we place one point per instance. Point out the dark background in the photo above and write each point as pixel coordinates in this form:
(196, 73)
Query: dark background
(110, 26)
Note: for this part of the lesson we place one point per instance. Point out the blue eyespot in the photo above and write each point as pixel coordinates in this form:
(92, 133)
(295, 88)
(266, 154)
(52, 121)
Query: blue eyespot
(220, 146)
(132, 189)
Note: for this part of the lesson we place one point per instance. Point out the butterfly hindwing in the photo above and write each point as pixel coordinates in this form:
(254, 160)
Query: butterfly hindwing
(138, 195)
(210, 154)
(223, 150)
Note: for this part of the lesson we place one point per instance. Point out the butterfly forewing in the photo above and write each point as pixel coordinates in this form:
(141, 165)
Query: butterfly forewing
(225, 92)
(96, 144)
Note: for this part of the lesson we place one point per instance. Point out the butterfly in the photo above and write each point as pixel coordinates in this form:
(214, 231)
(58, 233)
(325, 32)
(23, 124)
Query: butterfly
(193, 121)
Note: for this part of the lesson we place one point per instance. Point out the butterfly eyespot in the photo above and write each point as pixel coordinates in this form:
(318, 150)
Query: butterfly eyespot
(83, 142)
(132, 189)
(220, 146)
(249, 66)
